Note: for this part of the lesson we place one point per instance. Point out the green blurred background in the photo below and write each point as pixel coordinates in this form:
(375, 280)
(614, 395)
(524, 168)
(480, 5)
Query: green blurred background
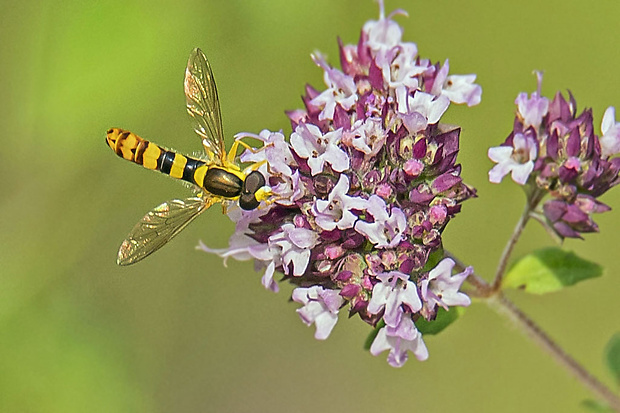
(179, 332)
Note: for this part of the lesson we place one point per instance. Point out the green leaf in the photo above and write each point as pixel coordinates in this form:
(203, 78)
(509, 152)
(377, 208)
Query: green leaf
(612, 356)
(596, 406)
(444, 319)
(373, 334)
(550, 269)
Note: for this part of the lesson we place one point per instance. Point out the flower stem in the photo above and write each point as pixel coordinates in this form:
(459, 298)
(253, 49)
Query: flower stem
(533, 198)
(503, 261)
(498, 301)
(493, 296)
(502, 305)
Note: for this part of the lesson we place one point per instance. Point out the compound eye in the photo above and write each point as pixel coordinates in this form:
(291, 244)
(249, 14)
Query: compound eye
(253, 182)
(248, 202)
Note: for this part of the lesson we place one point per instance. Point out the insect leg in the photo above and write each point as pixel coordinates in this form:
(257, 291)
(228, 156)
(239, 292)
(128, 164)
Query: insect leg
(232, 154)
(255, 166)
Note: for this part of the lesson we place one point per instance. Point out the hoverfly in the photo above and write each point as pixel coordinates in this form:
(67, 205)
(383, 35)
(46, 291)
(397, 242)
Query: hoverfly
(217, 177)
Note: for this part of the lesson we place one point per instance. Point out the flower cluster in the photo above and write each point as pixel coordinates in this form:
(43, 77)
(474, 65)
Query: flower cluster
(362, 192)
(555, 151)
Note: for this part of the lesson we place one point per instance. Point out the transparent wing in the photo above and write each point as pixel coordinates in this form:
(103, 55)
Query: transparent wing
(203, 105)
(159, 226)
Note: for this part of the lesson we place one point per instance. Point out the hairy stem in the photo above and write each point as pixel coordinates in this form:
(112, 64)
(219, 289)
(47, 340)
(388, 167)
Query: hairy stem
(498, 301)
(534, 196)
(506, 307)
(492, 294)
(503, 261)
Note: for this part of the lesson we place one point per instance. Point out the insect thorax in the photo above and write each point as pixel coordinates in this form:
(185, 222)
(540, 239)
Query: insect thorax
(221, 182)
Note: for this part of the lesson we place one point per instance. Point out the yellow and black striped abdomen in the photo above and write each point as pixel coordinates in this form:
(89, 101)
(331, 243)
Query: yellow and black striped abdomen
(130, 146)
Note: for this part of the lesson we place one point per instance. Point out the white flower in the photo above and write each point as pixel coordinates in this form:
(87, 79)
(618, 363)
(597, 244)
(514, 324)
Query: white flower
(293, 246)
(442, 288)
(532, 110)
(610, 141)
(309, 143)
(424, 109)
(276, 151)
(398, 341)
(340, 90)
(321, 307)
(458, 88)
(400, 70)
(242, 248)
(383, 34)
(517, 159)
(386, 230)
(393, 292)
(369, 136)
(335, 212)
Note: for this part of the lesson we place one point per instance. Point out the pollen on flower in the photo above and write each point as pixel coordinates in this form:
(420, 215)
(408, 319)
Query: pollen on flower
(363, 190)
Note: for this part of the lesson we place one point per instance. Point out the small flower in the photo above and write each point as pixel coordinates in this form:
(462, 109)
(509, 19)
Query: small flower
(610, 141)
(401, 71)
(462, 89)
(442, 288)
(243, 248)
(289, 189)
(335, 212)
(341, 90)
(532, 110)
(393, 292)
(293, 246)
(239, 248)
(318, 148)
(386, 230)
(458, 88)
(424, 109)
(276, 152)
(321, 307)
(387, 339)
(517, 160)
(383, 34)
(369, 136)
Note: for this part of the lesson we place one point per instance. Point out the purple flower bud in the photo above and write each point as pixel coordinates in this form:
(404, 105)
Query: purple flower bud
(408, 265)
(350, 290)
(344, 276)
(445, 182)
(419, 149)
(421, 195)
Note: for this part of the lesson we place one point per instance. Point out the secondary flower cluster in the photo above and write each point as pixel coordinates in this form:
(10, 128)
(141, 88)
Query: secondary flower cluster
(555, 151)
(362, 192)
